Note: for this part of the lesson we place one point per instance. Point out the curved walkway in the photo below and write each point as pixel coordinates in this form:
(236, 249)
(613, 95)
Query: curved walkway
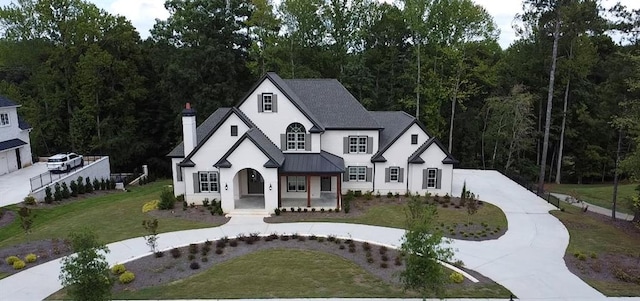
(591, 207)
(528, 259)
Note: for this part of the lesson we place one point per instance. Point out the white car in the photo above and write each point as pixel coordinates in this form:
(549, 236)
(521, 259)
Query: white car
(64, 162)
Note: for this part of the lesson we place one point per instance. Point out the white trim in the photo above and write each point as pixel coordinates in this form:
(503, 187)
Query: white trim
(434, 178)
(397, 174)
(266, 96)
(359, 144)
(6, 121)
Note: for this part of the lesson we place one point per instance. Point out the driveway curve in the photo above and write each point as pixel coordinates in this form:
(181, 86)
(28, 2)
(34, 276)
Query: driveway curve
(528, 259)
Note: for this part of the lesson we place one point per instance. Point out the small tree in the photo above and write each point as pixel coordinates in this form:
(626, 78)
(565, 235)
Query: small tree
(65, 191)
(48, 197)
(26, 219)
(167, 199)
(103, 184)
(80, 183)
(57, 194)
(463, 195)
(152, 238)
(86, 273)
(472, 206)
(424, 247)
(74, 188)
(96, 184)
(88, 187)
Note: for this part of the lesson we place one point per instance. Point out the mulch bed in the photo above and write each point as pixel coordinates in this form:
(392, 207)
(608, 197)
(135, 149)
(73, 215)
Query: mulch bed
(151, 271)
(45, 250)
(198, 214)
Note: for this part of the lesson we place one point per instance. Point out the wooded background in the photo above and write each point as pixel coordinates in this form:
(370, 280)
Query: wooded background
(560, 103)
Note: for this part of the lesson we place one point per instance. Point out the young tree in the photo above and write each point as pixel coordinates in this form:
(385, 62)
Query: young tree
(26, 219)
(86, 273)
(152, 229)
(424, 247)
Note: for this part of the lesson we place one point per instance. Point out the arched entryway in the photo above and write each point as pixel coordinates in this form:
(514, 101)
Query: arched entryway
(248, 189)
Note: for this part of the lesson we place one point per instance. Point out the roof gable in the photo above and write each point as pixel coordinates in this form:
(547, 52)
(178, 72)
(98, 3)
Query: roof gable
(416, 159)
(395, 124)
(5, 102)
(262, 142)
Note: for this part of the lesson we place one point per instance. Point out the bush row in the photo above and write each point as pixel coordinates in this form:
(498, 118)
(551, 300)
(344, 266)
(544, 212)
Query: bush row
(75, 187)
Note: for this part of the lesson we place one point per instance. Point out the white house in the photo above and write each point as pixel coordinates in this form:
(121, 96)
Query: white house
(15, 145)
(303, 143)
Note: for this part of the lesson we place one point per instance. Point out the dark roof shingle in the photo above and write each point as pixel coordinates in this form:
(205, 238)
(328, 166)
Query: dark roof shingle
(5, 102)
(8, 144)
(415, 157)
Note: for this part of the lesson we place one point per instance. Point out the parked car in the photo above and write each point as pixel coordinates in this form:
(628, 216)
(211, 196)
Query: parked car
(64, 162)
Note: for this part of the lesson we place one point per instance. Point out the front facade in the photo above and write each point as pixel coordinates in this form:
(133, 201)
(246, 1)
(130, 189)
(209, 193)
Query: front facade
(303, 143)
(15, 145)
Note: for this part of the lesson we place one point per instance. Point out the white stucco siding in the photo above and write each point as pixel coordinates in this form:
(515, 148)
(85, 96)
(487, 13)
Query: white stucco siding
(433, 157)
(189, 185)
(178, 186)
(219, 143)
(397, 156)
(25, 150)
(273, 124)
(247, 155)
(11, 131)
(333, 142)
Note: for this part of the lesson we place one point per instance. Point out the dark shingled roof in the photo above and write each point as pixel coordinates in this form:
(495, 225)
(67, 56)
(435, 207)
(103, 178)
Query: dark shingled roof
(276, 158)
(415, 157)
(24, 125)
(395, 123)
(323, 162)
(330, 102)
(8, 144)
(208, 127)
(5, 102)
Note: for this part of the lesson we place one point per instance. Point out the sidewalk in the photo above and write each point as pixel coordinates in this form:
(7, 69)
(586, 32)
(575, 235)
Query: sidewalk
(592, 208)
(527, 260)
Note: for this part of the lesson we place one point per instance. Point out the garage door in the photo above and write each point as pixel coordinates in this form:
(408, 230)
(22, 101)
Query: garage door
(4, 168)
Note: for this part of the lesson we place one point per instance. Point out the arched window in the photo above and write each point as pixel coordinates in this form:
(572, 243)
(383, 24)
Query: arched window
(295, 136)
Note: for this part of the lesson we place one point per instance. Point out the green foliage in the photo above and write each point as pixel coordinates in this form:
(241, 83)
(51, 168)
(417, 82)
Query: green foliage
(65, 191)
(167, 199)
(456, 277)
(57, 195)
(103, 184)
(424, 247)
(48, 197)
(96, 184)
(18, 265)
(30, 200)
(74, 188)
(30, 258)
(126, 277)
(86, 274)
(151, 226)
(80, 183)
(118, 269)
(26, 219)
(11, 259)
(88, 187)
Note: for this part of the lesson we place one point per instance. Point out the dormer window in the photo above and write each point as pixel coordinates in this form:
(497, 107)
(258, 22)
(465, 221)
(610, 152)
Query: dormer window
(295, 136)
(4, 119)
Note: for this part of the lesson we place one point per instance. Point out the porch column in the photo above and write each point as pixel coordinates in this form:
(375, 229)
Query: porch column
(308, 191)
(338, 191)
(279, 192)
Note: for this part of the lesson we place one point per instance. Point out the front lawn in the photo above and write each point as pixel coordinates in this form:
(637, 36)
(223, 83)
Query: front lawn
(598, 194)
(602, 252)
(113, 217)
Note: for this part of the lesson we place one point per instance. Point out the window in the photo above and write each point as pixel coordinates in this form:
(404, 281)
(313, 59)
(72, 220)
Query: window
(209, 181)
(432, 177)
(394, 173)
(295, 137)
(358, 173)
(234, 130)
(178, 173)
(4, 119)
(267, 102)
(357, 144)
(414, 139)
(297, 183)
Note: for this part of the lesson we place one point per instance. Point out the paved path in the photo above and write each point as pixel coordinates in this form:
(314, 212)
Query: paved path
(528, 259)
(592, 208)
(15, 186)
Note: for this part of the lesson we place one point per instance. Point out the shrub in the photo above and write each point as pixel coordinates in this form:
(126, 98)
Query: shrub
(370, 259)
(397, 195)
(29, 200)
(11, 259)
(366, 246)
(204, 259)
(150, 206)
(341, 247)
(74, 188)
(384, 257)
(65, 191)
(30, 258)
(352, 248)
(175, 252)
(389, 195)
(277, 211)
(159, 254)
(383, 250)
(191, 257)
(233, 243)
(221, 244)
(593, 255)
(126, 277)
(398, 261)
(103, 184)
(48, 198)
(88, 187)
(194, 265)
(167, 199)
(582, 257)
(118, 269)
(384, 265)
(219, 251)
(96, 184)
(80, 183)
(313, 237)
(57, 194)
(368, 195)
(456, 277)
(19, 264)
(193, 248)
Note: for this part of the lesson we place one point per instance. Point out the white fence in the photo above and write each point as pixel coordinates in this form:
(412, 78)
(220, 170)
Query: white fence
(100, 169)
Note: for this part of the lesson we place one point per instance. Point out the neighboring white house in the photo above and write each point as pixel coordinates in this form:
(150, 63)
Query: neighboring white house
(303, 143)
(15, 145)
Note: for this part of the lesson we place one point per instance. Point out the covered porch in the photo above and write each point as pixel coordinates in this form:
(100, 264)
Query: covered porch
(310, 180)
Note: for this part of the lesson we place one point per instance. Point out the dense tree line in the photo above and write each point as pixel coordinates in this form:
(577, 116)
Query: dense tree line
(89, 83)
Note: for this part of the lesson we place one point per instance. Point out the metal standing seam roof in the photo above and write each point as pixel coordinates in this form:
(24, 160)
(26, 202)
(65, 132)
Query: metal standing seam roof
(9, 144)
(322, 162)
(333, 105)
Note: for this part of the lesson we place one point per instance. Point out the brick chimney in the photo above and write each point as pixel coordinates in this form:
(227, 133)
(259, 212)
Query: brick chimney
(189, 129)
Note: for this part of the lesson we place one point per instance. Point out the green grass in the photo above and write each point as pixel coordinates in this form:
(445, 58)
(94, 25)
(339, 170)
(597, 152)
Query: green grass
(590, 235)
(112, 217)
(598, 194)
(393, 215)
(290, 273)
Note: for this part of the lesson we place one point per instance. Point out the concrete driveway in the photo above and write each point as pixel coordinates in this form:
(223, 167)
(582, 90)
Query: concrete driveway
(15, 186)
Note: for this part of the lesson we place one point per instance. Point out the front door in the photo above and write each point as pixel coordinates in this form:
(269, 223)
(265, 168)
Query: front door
(325, 184)
(18, 158)
(256, 182)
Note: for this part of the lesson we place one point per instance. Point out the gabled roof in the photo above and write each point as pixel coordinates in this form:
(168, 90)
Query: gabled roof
(415, 157)
(9, 144)
(5, 102)
(286, 90)
(259, 139)
(207, 128)
(394, 123)
(332, 104)
(323, 162)
(22, 124)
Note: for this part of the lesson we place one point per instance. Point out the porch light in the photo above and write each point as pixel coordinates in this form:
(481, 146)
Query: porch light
(270, 186)
(226, 187)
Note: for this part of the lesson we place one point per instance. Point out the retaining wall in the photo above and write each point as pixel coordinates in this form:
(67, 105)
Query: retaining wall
(99, 169)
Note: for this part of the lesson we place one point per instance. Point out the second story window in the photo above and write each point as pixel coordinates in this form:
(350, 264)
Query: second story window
(4, 119)
(358, 144)
(296, 136)
(267, 102)
(414, 139)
